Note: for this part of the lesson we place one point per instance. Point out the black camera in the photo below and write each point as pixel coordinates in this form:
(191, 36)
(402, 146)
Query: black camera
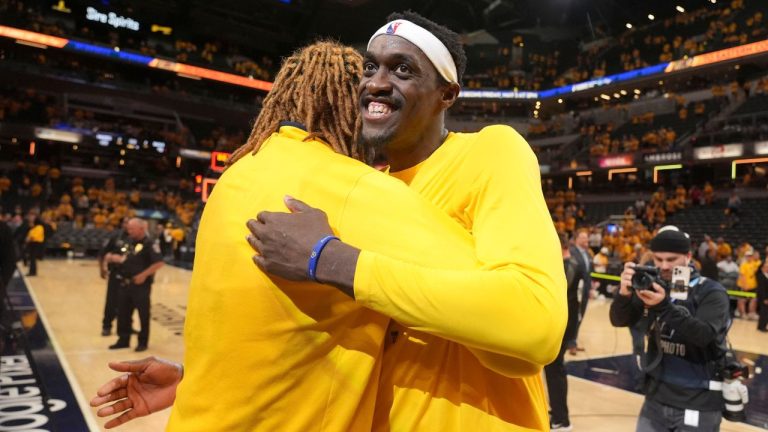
(734, 369)
(645, 276)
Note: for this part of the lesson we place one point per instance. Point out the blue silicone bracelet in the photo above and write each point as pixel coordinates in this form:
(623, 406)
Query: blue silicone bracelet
(315, 256)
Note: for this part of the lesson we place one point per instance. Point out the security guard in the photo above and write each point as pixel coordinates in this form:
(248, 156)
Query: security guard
(116, 244)
(135, 272)
(686, 339)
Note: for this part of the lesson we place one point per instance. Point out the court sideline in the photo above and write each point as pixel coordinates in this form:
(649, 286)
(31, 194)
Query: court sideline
(70, 297)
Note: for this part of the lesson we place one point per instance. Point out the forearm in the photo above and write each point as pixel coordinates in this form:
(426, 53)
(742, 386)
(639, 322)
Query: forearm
(149, 271)
(699, 330)
(336, 266)
(507, 310)
(624, 311)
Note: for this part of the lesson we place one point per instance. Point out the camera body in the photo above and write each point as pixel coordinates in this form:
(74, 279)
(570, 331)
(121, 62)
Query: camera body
(645, 276)
(677, 288)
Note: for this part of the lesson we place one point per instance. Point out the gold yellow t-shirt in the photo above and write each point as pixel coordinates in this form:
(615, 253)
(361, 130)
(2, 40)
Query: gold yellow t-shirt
(748, 274)
(267, 354)
(36, 234)
(455, 326)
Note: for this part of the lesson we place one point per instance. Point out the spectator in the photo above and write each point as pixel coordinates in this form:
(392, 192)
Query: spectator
(34, 242)
(723, 249)
(762, 297)
(728, 272)
(748, 282)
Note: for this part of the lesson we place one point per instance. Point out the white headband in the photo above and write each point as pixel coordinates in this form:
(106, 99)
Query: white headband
(427, 42)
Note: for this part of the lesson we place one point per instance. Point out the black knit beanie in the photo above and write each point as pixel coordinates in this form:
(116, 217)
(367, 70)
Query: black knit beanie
(671, 239)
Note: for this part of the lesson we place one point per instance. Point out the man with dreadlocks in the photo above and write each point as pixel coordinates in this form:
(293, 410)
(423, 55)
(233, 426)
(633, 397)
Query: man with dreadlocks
(266, 353)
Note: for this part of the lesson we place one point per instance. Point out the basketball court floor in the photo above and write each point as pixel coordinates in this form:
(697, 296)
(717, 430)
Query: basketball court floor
(61, 309)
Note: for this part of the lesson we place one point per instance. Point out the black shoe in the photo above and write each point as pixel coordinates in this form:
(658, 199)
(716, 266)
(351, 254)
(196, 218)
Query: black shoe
(141, 348)
(762, 330)
(106, 332)
(119, 345)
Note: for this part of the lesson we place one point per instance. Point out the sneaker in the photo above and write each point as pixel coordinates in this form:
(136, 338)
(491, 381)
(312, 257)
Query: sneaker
(753, 317)
(119, 344)
(736, 314)
(560, 427)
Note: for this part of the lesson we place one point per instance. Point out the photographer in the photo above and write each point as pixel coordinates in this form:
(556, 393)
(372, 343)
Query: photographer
(688, 321)
(135, 269)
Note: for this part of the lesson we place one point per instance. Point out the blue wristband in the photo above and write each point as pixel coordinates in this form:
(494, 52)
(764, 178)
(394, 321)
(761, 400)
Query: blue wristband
(315, 256)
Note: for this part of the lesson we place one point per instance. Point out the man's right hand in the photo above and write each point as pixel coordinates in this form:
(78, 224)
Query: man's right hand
(283, 242)
(625, 286)
(148, 386)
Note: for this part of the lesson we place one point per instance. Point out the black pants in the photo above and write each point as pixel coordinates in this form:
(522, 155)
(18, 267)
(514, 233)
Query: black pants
(112, 303)
(557, 387)
(34, 253)
(762, 310)
(133, 297)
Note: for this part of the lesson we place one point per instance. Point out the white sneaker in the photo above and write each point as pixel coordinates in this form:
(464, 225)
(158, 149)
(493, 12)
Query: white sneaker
(736, 314)
(560, 427)
(753, 317)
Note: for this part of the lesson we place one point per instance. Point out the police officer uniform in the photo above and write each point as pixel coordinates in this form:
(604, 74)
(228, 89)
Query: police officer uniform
(686, 352)
(141, 255)
(114, 245)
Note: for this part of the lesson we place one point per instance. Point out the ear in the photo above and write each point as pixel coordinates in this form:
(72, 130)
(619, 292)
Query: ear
(449, 95)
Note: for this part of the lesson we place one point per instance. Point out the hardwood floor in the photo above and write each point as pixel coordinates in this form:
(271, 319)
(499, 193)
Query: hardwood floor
(70, 295)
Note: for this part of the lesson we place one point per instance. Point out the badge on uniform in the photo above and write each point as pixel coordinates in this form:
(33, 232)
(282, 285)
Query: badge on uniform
(138, 248)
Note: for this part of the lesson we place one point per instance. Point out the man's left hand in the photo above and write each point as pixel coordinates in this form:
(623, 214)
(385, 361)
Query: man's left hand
(139, 279)
(283, 241)
(652, 298)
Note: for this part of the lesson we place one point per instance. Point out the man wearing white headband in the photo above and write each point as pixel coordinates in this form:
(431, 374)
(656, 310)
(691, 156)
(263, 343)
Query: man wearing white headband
(466, 347)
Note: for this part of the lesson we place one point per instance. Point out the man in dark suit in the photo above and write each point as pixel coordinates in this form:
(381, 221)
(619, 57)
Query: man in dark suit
(7, 267)
(580, 253)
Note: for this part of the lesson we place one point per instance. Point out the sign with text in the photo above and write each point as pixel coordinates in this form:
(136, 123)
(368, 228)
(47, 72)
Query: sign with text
(718, 152)
(616, 161)
(111, 18)
(653, 158)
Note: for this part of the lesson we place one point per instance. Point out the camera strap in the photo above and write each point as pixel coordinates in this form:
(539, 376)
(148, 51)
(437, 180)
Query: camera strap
(659, 353)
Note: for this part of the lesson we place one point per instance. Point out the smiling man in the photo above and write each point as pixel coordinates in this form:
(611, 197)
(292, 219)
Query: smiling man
(466, 346)
(480, 306)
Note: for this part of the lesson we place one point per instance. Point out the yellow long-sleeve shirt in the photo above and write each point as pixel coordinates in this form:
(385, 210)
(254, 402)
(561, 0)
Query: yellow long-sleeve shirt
(36, 234)
(267, 354)
(511, 314)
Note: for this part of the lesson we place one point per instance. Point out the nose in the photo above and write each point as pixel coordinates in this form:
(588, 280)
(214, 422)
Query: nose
(378, 83)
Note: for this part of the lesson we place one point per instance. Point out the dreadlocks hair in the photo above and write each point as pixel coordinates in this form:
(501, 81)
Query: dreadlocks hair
(448, 37)
(317, 87)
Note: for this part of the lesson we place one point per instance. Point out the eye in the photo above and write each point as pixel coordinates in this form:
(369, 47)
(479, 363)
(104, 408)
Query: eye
(369, 68)
(402, 69)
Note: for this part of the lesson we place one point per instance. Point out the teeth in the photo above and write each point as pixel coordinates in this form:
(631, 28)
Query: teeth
(379, 109)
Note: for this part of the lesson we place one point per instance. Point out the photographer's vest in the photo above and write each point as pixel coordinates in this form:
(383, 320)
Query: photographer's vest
(684, 364)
